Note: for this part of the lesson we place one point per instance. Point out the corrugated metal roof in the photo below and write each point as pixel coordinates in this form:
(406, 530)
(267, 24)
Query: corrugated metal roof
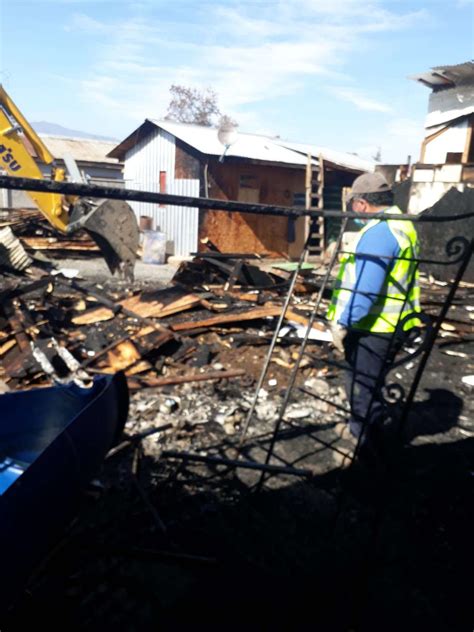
(340, 158)
(447, 76)
(81, 149)
(250, 146)
(452, 95)
(431, 79)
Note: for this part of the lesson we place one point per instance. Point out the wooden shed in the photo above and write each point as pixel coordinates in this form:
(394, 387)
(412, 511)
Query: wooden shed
(184, 159)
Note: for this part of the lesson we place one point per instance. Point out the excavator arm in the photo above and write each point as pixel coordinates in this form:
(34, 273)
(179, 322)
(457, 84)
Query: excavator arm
(16, 160)
(112, 224)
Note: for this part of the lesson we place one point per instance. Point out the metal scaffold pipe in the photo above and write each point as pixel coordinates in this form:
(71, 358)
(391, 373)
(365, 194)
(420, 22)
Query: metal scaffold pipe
(133, 195)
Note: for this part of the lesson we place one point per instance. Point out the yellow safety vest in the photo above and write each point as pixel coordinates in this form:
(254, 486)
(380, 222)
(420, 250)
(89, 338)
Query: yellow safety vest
(400, 294)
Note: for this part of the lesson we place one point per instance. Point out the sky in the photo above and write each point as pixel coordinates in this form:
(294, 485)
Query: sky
(333, 73)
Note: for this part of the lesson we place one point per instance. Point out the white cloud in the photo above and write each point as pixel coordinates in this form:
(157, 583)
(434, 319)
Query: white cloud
(248, 52)
(397, 139)
(360, 100)
(82, 2)
(406, 128)
(86, 24)
(362, 17)
(404, 136)
(233, 19)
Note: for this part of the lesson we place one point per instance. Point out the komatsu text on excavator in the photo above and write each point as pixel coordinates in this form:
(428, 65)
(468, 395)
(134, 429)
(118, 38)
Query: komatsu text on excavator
(111, 223)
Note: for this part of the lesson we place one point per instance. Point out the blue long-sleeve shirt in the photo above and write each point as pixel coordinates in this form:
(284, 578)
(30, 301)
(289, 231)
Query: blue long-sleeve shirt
(375, 254)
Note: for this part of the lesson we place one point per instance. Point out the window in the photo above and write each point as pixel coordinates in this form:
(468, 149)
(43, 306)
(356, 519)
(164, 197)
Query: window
(453, 157)
(248, 181)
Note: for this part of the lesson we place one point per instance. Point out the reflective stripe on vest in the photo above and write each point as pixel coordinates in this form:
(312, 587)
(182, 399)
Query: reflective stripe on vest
(400, 294)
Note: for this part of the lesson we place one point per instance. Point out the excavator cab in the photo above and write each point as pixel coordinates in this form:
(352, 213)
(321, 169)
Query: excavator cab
(110, 223)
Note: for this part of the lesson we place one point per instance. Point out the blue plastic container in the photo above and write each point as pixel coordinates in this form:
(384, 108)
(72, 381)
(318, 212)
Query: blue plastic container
(52, 441)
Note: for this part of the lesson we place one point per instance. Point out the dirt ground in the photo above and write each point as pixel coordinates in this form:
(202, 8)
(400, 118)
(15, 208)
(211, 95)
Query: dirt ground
(167, 543)
(95, 269)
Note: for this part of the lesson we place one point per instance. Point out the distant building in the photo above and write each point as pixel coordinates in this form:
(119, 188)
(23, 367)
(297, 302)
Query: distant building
(447, 152)
(183, 159)
(90, 156)
(446, 162)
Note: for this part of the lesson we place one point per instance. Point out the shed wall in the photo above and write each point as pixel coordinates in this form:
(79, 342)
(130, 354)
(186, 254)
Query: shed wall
(143, 163)
(446, 105)
(244, 232)
(453, 139)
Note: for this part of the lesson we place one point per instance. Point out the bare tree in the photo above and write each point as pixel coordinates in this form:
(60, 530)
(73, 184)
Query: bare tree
(227, 122)
(189, 105)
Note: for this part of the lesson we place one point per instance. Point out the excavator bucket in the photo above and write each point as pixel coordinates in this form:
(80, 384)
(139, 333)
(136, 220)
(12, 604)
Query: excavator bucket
(113, 226)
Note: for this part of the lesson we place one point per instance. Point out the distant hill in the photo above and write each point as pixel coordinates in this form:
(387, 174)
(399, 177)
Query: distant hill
(43, 127)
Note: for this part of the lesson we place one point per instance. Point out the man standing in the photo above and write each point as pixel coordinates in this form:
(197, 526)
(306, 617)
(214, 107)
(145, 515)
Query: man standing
(375, 297)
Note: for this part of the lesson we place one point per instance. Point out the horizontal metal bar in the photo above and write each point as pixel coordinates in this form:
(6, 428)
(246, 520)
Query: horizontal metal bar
(226, 255)
(249, 465)
(133, 195)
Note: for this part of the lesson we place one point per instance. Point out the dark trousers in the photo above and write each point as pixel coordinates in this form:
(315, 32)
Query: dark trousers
(369, 357)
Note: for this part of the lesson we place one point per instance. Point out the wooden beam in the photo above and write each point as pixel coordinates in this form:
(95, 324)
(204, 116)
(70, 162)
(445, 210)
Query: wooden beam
(51, 243)
(163, 303)
(467, 147)
(235, 317)
(137, 383)
(427, 140)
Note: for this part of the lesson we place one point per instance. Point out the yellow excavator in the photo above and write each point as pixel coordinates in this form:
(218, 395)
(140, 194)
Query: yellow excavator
(110, 223)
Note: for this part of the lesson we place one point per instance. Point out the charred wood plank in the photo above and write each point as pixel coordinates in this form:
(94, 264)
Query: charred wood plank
(254, 314)
(137, 383)
(50, 243)
(143, 307)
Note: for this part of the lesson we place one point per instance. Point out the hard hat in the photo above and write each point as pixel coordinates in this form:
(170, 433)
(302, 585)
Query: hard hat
(368, 183)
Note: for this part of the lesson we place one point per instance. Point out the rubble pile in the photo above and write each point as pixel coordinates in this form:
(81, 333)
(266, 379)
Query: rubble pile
(176, 523)
(55, 328)
(192, 352)
(214, 322)
(37, 235)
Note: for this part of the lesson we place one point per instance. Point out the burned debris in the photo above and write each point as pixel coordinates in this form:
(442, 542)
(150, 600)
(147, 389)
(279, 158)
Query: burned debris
(207, 427)
(142, 332)
(214, 325)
